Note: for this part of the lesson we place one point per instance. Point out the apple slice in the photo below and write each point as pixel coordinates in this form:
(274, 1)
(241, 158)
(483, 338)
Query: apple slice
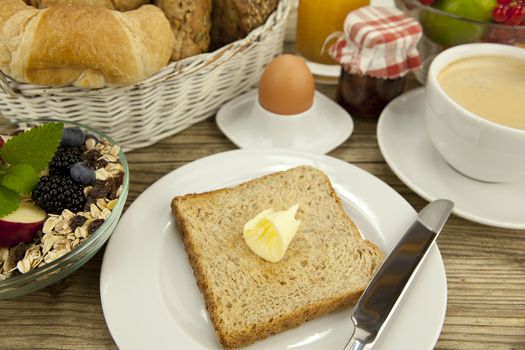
(21, 225)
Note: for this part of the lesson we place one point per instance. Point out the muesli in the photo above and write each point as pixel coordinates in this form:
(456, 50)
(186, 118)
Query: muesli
(57, 187)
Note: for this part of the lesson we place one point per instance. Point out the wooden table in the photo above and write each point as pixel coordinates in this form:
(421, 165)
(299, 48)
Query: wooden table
(485, 266)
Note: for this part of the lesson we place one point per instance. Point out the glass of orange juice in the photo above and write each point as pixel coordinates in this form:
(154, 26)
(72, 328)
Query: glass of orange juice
(316, 20)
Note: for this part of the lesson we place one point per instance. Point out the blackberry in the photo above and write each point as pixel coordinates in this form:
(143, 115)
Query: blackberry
(64, 158)
(55, 193)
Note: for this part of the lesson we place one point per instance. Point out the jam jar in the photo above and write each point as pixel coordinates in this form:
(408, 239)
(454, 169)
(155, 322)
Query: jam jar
(366, 96)
(376, 51)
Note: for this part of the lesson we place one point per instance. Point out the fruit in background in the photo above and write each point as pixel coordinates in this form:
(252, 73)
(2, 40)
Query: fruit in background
(449, 31)
(21, 225)
(510, 12)
(72, 137)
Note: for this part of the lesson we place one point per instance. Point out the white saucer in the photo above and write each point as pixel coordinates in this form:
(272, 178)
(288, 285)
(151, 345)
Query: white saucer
(406, 147)
(236, 121)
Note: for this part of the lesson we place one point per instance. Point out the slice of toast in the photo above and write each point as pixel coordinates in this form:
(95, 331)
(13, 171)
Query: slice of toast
(326, 267)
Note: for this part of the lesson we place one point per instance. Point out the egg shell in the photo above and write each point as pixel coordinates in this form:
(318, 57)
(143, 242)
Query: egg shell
(287, 86)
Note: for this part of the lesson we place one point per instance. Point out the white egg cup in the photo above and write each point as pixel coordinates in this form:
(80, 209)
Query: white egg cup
(321, 128)
(284, 131)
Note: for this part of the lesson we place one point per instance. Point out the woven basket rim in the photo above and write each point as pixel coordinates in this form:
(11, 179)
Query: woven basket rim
(181, 68)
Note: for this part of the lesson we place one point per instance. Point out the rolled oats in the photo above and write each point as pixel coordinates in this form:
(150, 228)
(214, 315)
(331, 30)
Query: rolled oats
(67, 214)
(50, 224)
(75, 243)
(102, 174)
(102, 203)
(24, 265)
(63, 244)
(94, 211)
(112, 204)
(115, 150)
(81, 232)
(53, 255)
(110, 158)
(90, 144)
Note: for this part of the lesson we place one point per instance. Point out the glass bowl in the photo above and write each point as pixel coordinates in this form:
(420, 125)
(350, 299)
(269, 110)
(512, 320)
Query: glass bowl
(58, 269)
(442, 30)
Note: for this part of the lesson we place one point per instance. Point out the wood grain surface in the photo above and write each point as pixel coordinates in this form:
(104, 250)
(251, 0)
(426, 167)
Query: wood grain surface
(485, 266)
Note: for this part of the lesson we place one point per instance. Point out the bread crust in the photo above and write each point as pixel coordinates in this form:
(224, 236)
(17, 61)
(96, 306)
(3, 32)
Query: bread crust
(191, 24)
(280, 323)
(119, 5)
(87, 46)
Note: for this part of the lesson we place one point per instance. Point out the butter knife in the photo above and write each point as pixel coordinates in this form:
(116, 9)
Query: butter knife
(385, 290)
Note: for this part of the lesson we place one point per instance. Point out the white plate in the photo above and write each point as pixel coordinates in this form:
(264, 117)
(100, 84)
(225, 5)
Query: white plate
(149, 295)
(331, 126)
(406, 147)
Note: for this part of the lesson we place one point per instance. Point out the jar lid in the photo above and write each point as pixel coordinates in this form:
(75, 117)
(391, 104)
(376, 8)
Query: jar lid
(377, 41)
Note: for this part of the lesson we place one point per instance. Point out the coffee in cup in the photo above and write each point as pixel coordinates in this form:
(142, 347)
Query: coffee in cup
(492, 87)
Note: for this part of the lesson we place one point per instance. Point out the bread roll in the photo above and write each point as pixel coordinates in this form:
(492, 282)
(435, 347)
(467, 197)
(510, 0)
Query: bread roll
(234, 19)
(190, 22)
(120, 5)
(89, 47)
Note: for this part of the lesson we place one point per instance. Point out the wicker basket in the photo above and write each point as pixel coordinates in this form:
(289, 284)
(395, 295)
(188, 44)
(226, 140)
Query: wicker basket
(181, 94)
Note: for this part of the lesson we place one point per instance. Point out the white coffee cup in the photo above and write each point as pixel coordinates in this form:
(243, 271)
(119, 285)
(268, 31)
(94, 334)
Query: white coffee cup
(474, 146)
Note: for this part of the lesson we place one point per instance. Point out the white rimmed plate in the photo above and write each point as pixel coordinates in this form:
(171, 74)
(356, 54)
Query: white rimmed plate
(408, 150)
(148, 291)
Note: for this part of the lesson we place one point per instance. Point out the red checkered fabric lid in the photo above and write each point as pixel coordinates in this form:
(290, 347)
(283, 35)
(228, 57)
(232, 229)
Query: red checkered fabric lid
(378, 41)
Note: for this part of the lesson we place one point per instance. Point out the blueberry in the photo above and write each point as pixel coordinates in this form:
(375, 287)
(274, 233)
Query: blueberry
(73, 137)
(82, 174)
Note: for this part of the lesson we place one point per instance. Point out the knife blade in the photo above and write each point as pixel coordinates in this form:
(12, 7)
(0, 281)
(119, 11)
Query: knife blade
(385, 290)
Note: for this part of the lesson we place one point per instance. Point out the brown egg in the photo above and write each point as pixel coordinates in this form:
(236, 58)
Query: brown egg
(286, 86)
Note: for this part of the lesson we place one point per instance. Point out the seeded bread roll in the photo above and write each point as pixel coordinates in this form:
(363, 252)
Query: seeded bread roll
(89, 47)
(234, 19)
(326, 267)
(190, 22)
(120, 5)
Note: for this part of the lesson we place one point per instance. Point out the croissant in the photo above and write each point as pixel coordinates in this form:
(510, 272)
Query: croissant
(89, 47)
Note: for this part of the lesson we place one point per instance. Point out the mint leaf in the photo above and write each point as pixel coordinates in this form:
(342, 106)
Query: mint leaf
(9, 201)
(21, 178)
(35, 147)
